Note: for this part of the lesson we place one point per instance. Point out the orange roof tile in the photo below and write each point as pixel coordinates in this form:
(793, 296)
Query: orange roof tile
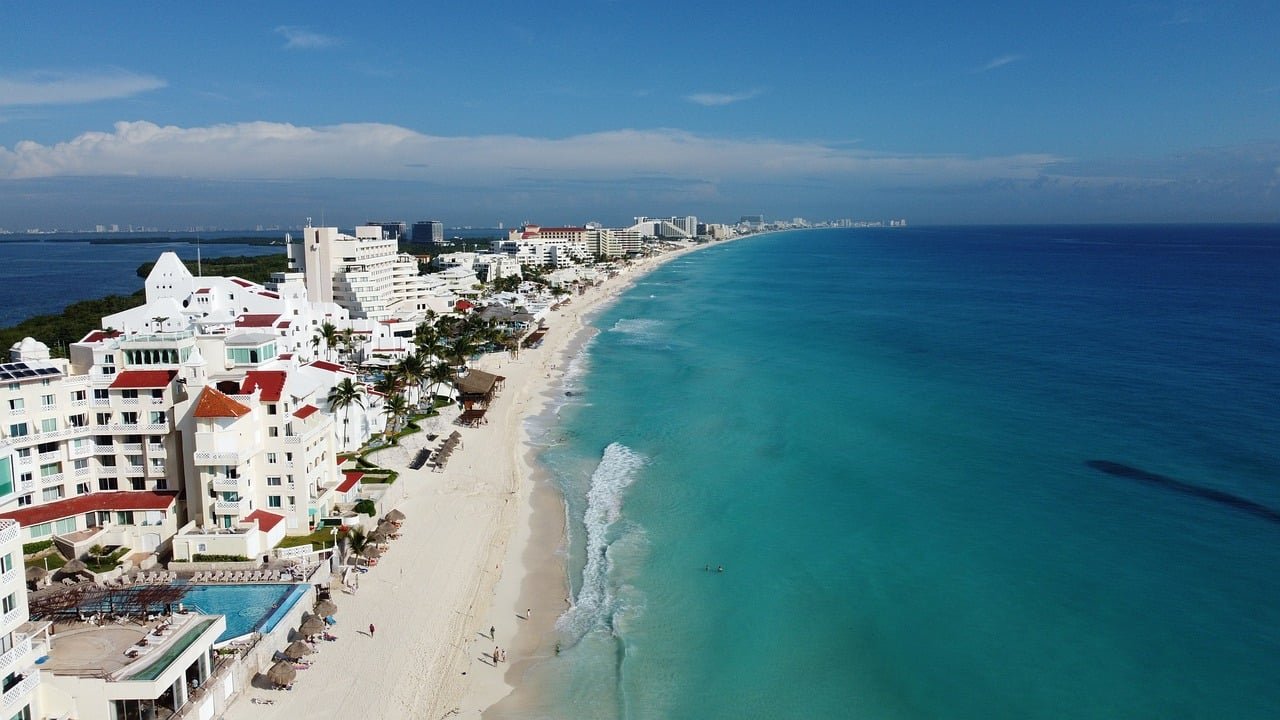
(215, 404)
(265, 520)
(137, 379)
(271, 382)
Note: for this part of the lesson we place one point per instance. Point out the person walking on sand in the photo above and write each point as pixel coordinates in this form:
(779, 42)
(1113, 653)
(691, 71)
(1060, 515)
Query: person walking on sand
(491, 632)
(528, 613)
(495, 657)
(371, 628)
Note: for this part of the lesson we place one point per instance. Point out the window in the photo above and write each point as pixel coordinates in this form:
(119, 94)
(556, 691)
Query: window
(201, 547)
(271, 458)
(24, 452)
(288, 457)
(271, 408)
(138, 483)
(273, 501)
(158, 417)
(6, 563)
(65, 525)
(50, 494)
(129, 418)
(134, 460)
(108, 358)
(24, 500)
(78, 396)
(102, 418)
(80, 464)
(83, 488)
(10, 603)
(129, 394)
(108, 483)
(49, 425)
(157, 394)
(50, 469)
(162, 484)
(107, 461)
(18, 430)
(41, 530)
(124, 517)
(101, 394)
(46, 401)
(273, 481)
(271, 431)
(17, 404)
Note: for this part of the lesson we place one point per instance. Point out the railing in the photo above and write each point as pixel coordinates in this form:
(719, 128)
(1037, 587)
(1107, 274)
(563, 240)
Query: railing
(157, 401)
(79, 403)
(104, 449)
(217, 458)
(9, 531)
(101, 401)
(81, 472)
(9, 576)
(232, 507)
(14, 617)
(17, 412)
(135, 469)
(47, 456)
(15, 653)
(22, 690)
(132, 448)
(129, 401)
(154, 469)
(155, 448)
(224, 484)
(53, 479)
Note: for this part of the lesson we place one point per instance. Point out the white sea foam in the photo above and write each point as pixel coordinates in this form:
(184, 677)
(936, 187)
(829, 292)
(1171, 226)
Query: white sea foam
(597, 603)
(640, 330)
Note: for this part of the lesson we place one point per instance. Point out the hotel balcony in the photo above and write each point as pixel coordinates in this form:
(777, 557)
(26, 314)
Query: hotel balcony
(130, 448)
(16, 695)
(49, 456)
(129, 401)
(226, 484)
(104, 449)
(82, 450)
(239, 507)
(81, 472)
(155, 449)
(155, 470)
(53, 479)
(79, 403)
(9, 532)
(135, 469)
(13, 576)
(16, 654)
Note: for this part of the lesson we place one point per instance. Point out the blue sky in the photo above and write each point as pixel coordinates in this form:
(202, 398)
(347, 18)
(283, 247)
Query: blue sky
(235, 114)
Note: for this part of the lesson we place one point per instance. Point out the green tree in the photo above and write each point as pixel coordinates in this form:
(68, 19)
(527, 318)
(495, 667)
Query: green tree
(397, 407)
(343, 395)
(413, 369)
(326, 334)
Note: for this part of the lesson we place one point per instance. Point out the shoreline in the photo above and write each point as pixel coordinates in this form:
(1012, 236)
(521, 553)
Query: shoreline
(471, 539)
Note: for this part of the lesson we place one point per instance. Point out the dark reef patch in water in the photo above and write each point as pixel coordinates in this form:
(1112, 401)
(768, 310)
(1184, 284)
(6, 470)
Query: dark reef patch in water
(1222, 498)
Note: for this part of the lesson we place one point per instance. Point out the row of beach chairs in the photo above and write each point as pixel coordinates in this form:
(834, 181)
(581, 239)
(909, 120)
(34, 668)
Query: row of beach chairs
(158, 577)
(240, 576)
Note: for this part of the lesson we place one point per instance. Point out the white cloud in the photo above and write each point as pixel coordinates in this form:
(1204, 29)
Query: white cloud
(717, 99)
(300, 38)
(68, 88)
(999, 62)
(269, 151)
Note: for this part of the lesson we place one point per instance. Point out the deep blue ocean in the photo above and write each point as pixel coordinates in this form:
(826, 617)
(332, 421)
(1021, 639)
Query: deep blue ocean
(969, 473)
(40, 275)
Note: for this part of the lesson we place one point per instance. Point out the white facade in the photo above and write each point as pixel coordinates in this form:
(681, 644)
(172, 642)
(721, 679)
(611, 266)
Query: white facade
(363, 273)
(17, 659)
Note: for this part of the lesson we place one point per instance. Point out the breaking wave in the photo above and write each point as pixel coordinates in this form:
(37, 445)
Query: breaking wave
(597, 604)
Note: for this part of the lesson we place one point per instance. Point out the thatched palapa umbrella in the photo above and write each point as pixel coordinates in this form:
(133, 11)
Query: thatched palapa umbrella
(377, 536)
(388, 528)
(311, 626)
(325, 608)
(297, 649)
(395, 516)
(35, 573)
(73, 567)
(282, 673)
(372, 551)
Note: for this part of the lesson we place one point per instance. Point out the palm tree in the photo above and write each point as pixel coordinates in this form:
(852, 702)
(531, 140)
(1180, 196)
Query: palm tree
(327, 333)
(438, 374)
(343, 395)
(413, 369)
(347, 338)
(397, 408)
(357, 541)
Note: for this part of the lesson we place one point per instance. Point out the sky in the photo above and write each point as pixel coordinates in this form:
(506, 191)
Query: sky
(237, 114)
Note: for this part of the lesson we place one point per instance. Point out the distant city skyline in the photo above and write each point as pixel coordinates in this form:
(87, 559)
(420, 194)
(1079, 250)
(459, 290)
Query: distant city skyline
(569, 112)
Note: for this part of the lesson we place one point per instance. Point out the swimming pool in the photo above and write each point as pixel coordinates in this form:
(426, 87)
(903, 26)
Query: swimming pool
(248, 608)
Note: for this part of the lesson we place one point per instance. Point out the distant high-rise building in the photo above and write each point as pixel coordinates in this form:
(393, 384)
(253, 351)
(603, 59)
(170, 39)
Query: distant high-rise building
(428, 231)
(392, 230)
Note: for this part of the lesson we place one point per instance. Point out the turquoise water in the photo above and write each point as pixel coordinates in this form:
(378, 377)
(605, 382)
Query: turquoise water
(248, 607)
(884, 437)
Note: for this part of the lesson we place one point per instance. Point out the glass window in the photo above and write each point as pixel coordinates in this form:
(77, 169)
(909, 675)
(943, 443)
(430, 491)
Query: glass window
(129, 394)
(18, 430)
(49, 425)
(158, 417)
(65, 525)
(41, 530)
(46, 400)
(50, 494)
(101, 394)
(17, 404)
(108, 483)
(50, 469)
(273, 501)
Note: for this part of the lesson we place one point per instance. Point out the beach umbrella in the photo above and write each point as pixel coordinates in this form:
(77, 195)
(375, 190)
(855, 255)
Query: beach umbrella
(35, 573)
(282, 673)
(372, 551)
(311, 626)
(297, 649)
(326, 607)
(73, 567)
(395, 516)
(377, 536)
(386, 527)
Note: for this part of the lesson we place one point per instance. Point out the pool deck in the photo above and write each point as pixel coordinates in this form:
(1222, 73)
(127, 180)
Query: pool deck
(87, 650)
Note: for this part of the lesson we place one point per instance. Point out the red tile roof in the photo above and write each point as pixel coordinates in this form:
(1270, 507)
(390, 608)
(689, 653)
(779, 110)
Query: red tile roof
(215, 404)
(271, 382)
(137, 379)
(265, 520)
(350, 478)
(285, 324)
(100, 335)
(326, 365)
(241, 282)
(271, 295)
(286, 356)
(71, 507)
(257, 320)
(202, 291)
(305, 411)
(463, 305)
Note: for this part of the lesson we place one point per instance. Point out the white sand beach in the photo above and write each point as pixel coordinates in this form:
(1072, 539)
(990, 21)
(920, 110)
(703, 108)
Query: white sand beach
(470, 557)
